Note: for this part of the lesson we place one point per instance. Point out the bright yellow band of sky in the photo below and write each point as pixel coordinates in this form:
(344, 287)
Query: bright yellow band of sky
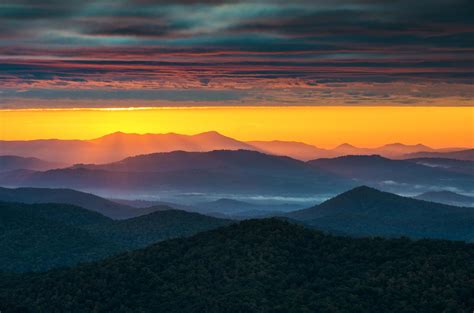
(322, 126)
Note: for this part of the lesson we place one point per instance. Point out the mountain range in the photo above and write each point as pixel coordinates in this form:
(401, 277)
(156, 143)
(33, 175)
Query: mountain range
(258, 266)
(365, 211)
(396, 175)
(116, 146)
(216, 172)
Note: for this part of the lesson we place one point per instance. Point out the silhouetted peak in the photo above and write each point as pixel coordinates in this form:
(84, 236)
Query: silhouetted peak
(211, 133)
(345, 146)
(362, 190)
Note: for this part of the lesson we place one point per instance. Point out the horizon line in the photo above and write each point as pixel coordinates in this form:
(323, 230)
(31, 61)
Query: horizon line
(247, 141)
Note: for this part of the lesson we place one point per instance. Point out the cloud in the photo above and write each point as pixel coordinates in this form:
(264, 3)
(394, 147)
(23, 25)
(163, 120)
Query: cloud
(223, 46)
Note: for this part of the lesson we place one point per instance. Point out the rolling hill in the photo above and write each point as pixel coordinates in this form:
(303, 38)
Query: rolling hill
(220, 171)
(241, 209)
(69, 196)
(293, 149)
(37, 237)
(394, 175)
(161, 224)
(365, 211)
(467, 155)
(12, 162)
(259, 266)
(452, 165)
(447, 197)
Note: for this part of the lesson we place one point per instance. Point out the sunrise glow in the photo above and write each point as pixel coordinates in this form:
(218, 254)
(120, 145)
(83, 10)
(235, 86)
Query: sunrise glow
(320, 126)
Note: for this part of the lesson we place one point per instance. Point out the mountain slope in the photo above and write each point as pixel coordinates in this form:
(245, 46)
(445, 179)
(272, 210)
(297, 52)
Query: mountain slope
(447, 197)
(36, 237)
(296, 150)
(467, 155)
(260, 266)
(396, 175)
(82, 199)
(221, 171)
(366, 211)
(232, 207)
(452, 165)
(159, 225)
(116, 146)
(13, 162)
(213, 160)
(41, 236)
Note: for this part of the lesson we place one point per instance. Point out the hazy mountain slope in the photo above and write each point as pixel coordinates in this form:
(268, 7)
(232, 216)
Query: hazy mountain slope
(447, 197)
(394, 174)
(233, 207)
(452, 165)
(63, 151)
(222, 171)
(293, 149)
(392, 150)
(368, 212)
(219, 159)
(467, 155)
(116, 146)
(260, 266)
(13, 162)
(82, 199)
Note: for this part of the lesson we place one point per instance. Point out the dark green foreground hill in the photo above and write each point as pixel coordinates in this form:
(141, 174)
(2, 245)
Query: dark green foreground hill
(38, 237)
(259, 266)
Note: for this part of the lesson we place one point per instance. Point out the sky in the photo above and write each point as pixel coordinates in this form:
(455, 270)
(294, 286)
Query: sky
(322, 126)
(152, 53)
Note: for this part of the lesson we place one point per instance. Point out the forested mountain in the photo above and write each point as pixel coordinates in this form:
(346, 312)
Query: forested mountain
(365, 211)
(60, 195)
(35, 237)
(259, 266)
(41, 236)
(163, 224)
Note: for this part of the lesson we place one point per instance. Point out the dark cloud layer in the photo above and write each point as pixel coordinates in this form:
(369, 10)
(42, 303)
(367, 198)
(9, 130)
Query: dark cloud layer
(238, 52)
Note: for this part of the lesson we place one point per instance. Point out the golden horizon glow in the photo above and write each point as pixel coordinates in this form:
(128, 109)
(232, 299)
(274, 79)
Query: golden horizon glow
(322, 126)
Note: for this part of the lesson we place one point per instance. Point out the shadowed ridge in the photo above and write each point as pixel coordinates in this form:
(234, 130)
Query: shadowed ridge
(365, 211)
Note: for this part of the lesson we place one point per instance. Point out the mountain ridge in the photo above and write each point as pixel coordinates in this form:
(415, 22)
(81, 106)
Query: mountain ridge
(366, 211)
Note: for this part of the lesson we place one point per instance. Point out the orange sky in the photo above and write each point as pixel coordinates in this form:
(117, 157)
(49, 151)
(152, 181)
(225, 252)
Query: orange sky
(322, 126)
